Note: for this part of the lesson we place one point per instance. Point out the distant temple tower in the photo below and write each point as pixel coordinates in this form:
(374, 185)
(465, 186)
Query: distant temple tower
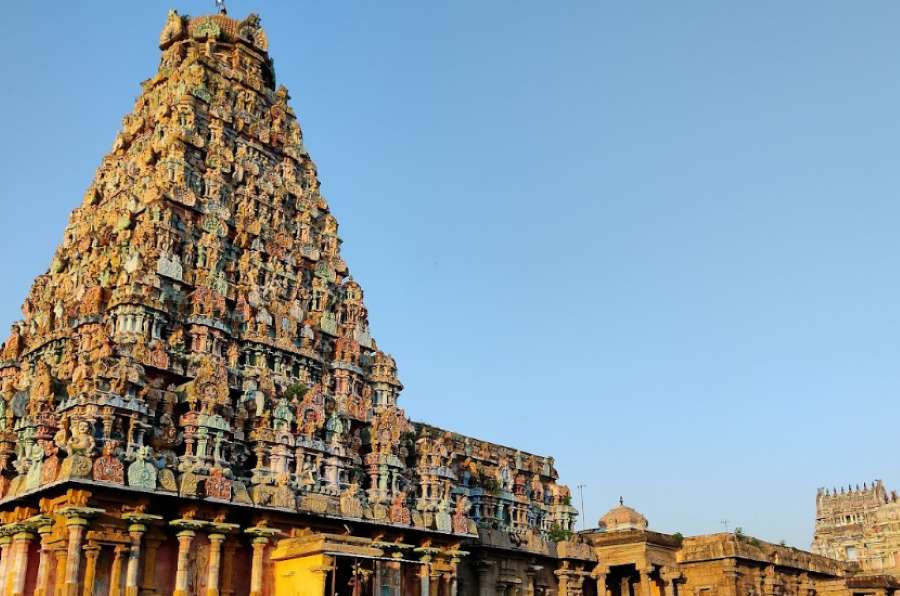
(860, 525)
(193, 403)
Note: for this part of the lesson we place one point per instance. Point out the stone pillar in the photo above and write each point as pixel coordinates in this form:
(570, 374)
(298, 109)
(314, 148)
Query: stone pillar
(185, 539)
(646, 582)
(6, 554)
(454, 569)
(425, 577)
(227, 582)
(44, 562)
(59, 582)
(669, 576)
(376, 578)
(76, 523)
(187, 531)
(600, 580)
(256, 569)
(436, 584)
(261, 536)
(132, 569)
(115, 574)
(75, 526)
(136, 531)
(217, 535)
(215, 563)
(91, 553)
(20, 544)
(259, 551)
(484, 574)
(148, 581)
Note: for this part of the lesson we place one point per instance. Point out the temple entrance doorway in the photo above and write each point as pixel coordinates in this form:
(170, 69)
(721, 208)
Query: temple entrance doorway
(355, 576)
(351, 577)
(623, 580)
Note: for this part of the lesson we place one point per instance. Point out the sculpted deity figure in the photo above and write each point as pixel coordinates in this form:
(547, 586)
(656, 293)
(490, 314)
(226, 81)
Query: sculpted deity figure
(399, 513)
(82, 440)
(461, 515)
(108, 468)
(80, 376)
(165, 433)
(174, 28)
(537, 488)
(349, 501)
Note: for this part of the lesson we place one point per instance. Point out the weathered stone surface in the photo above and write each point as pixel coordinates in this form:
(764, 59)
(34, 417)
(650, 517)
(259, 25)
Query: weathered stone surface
(199, 330)
(859, 525)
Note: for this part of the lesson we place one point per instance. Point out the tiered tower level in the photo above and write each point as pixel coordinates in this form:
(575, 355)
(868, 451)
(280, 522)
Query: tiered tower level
(860, 524)
(198, 334)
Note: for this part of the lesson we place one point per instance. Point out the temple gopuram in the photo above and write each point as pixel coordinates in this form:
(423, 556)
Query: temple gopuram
(860, 525)
(192, 403)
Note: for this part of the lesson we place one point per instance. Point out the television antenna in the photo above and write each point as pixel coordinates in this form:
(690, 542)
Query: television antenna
(581, 488)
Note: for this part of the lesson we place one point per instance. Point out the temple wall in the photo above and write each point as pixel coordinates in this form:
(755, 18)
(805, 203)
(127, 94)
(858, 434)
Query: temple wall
(301, 577)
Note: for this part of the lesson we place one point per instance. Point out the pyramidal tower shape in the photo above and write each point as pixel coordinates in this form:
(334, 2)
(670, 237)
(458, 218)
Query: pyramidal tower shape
(198, 306)
(198, 337)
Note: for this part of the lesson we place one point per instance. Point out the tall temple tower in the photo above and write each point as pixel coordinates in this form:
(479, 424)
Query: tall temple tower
(193, 403)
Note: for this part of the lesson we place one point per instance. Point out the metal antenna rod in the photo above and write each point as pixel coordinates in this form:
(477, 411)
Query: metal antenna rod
(581, 488)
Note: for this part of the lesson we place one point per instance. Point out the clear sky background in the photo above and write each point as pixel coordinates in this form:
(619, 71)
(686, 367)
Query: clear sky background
(656, 240)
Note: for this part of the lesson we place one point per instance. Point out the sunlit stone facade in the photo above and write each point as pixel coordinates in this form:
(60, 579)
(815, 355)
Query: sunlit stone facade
(193, 402)
(635, 561)
(859, 524)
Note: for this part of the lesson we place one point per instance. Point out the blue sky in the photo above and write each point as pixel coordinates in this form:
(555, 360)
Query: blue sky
(655, 240)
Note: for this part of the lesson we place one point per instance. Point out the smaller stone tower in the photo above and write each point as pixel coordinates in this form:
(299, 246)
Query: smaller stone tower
(859, 524)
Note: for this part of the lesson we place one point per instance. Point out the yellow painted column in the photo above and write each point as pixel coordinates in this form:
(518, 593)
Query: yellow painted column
(261, 536)
(136, 530)
(185, 538)
(215, 563)
(91, 553)
(600, 579)
(256, 569)
(115, 574)
(20, 547)
(45, 562)
(6, 554)
(646, 582)
(76, 523)
(227, 583)
(75, 527)
(59, 582)
(188, 528)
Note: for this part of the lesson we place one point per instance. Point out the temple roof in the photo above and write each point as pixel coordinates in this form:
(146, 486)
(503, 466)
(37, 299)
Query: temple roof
(622, 517)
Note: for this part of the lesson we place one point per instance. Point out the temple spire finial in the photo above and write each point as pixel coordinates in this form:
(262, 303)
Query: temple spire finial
(621, 500)
(220, 5)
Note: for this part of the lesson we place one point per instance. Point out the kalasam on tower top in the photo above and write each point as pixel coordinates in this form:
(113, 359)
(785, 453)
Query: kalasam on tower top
(193, 402)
